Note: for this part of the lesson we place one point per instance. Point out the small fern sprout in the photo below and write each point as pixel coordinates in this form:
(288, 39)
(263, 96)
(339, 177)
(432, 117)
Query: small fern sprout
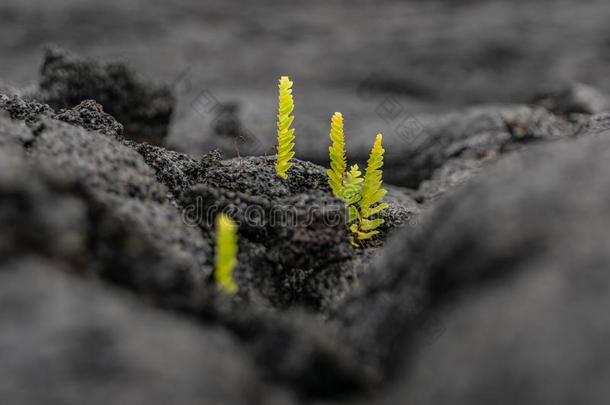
(225, 258)
(336, 151)
(351, 188)
(285, 134)
(370, 195)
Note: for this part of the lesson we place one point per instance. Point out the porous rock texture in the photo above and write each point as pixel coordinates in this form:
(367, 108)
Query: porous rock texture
(448, 149)
(88, 114)
(474, 135)
(66, 340)
(123, 214)
(487, 283)
(143, 108)
(433, 152)
(509, 275)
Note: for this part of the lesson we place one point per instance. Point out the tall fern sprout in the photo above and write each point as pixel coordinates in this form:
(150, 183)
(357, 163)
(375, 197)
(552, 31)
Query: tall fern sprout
(225, 258)
(336, 151)
(285, 134)
(371, 193)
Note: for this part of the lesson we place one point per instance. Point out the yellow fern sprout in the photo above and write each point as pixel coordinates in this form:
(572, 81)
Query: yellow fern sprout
(285, 134)
(225, 258)
(371, 194)
(336, 151)
(351, 188)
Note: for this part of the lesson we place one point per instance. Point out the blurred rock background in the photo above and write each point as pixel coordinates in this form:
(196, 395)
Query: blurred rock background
(412, 56)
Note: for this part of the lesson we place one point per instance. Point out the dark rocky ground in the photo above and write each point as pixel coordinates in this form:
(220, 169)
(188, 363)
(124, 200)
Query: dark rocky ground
(488, 284)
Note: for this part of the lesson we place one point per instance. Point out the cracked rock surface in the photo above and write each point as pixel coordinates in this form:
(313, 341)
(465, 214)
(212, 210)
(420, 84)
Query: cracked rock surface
(495, 239)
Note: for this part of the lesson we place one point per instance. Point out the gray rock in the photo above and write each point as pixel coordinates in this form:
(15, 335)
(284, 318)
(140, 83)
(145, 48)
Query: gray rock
(297, 229)
(24, 110)
(88, 115)
(524, 127)
(573, 98)
(14, 132)
(450, 175)
(140, 238)
(67, 340)
(477, 134)
(177, 171)
(37, 215)
(596, 125)
(91, 116)
(427, 142)
(147, 247)
(142, 107)
(137, 239)
(449, 152)
(512, 267)
(403, 208)
(101, 164)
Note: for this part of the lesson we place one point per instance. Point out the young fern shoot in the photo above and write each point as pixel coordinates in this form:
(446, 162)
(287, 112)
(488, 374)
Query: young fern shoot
(225, 258)
(336, 151)
(371, 194)
(351, 188)
(285, 134)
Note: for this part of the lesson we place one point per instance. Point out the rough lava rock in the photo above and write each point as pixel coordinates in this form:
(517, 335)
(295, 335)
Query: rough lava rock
(502, 248)
(88, 115)
(511, 270)
(297, 226)
(573, 98)
(461, 139)
(137, 236)
(472, 142)
(478, 134)
(36, 214)
(177, 171)
(27, 110)
(68, 340)
(143, 108)
(13, 133)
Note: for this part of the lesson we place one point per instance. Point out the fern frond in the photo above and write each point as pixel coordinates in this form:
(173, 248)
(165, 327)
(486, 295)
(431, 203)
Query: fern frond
(360, 235)
(225, 258)
(369, 212)
(351, 192)
(371, 193)
(336, 151)
(285, 134)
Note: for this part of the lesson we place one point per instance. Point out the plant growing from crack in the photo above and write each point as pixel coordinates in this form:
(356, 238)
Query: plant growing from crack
(350, 192)
(362, 195)
(369, 204)
(285, 134)
(225, 258)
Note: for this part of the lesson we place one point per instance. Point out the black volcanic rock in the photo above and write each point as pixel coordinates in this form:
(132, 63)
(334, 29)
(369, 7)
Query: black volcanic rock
(90, 115)
(143, 108)
(511, 269)
(502, 247)
(135, 233)
(68, 340)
